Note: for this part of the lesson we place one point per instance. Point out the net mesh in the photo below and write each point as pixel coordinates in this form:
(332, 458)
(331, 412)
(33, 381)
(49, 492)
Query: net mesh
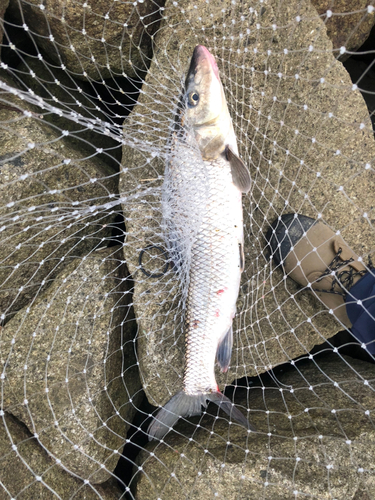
(92, 300)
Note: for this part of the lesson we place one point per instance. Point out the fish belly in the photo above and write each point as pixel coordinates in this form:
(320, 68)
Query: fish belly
(214, 277)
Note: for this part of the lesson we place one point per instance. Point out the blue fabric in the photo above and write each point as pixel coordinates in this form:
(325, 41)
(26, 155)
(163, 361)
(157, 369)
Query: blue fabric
(362, 316)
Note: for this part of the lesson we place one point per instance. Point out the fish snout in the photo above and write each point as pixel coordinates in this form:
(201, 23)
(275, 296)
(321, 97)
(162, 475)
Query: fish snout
(203, 58)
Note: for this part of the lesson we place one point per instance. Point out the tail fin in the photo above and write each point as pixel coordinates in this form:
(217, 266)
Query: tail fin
(185, 405)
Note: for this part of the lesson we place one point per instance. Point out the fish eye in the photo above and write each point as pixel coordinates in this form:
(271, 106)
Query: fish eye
(193, 98)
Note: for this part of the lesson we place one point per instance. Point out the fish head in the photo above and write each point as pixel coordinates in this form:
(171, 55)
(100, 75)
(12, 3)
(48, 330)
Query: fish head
(206, 111)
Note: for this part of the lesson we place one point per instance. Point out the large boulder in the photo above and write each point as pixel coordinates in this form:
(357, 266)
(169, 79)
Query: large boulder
(48, 191)
(26, 470)
(305, 133)
(68, 365)
(348, 23)
(315, 438)
(92, 39)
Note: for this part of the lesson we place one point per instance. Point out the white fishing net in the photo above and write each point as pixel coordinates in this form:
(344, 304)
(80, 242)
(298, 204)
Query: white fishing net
(92, 294)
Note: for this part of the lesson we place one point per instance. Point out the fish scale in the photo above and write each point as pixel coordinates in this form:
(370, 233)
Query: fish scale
(214, 277)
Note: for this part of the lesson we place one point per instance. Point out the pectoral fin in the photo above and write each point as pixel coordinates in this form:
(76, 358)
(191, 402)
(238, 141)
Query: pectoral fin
(224, 350)
(240, 172)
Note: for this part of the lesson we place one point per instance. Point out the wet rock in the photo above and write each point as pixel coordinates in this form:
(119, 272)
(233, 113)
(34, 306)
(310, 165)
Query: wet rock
(27, 471)
(312, 437)
(348, 25)
(69, 365)
(308, 142)
(93, 39)
(48, 190)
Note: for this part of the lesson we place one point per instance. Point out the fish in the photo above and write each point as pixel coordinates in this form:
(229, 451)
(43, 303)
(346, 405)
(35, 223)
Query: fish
(204, 182)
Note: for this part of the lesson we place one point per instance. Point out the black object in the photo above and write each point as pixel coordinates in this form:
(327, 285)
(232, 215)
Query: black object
(285, 232)
(152, 275)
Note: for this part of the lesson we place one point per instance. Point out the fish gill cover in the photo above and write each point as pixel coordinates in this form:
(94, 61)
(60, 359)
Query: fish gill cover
(93, 291)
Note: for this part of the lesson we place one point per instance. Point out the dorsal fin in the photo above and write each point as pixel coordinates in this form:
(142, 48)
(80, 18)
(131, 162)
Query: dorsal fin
(240, 172)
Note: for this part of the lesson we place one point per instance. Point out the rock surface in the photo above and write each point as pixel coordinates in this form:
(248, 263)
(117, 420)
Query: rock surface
(309, 145)
(28, 472)
(316, 442)
(94, 39)
(47, 190)
(68, 365)
(349, 24)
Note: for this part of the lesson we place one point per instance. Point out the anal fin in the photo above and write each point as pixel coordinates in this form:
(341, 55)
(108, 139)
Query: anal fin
(224, 350)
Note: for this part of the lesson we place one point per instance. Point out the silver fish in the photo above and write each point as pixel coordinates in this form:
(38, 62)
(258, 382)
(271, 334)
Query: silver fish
(204, 182)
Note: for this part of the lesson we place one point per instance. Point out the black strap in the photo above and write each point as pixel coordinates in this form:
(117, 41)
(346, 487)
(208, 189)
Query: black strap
(152, 275)
(344, 279)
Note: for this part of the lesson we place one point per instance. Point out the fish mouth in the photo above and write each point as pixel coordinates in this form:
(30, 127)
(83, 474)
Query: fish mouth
(202, 58)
